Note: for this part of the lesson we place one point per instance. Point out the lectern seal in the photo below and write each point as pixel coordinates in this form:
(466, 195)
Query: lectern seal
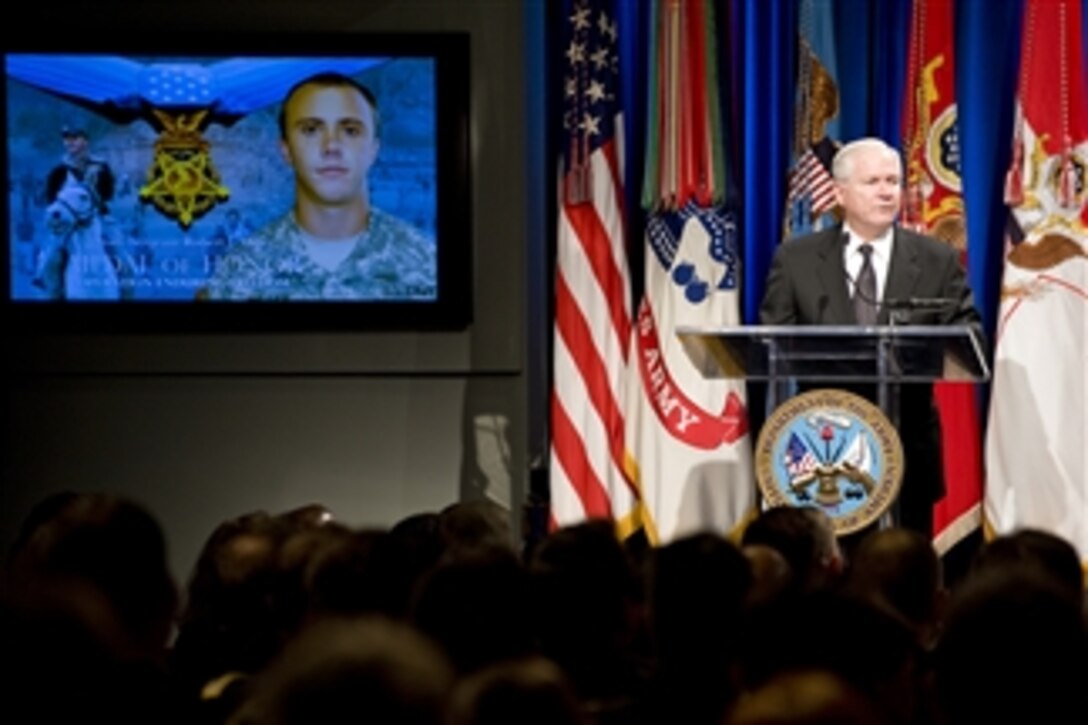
(833, 450)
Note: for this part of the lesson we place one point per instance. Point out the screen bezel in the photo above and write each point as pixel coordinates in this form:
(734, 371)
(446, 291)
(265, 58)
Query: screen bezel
(452, 308)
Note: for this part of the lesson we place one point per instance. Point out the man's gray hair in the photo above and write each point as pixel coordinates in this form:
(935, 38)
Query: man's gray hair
(843, 164)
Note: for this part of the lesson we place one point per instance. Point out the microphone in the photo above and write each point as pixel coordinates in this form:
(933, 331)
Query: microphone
(853, 285)
(902, 304)
(922, 303)
(907, 304)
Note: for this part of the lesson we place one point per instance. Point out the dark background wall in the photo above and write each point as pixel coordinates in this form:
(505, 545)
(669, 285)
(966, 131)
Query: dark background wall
(373, 425)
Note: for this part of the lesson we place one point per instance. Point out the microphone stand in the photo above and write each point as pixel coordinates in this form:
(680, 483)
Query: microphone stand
(887, 364)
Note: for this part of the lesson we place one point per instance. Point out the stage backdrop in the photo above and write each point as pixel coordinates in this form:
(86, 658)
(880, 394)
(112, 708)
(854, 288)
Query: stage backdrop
(757, 46)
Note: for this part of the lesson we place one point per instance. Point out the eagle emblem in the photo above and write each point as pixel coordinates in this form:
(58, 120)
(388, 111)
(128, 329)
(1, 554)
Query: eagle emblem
(833, 450)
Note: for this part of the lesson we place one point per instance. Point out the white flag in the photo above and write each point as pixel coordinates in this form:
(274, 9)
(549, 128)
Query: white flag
(1037, 441)
(687, 435)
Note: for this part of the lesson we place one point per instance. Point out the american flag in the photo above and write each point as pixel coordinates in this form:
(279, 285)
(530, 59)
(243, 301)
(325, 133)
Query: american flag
(592, 287)
(798, 459)
(811, 183)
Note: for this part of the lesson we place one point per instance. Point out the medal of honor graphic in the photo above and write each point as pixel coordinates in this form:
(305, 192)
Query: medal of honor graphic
(833, 450)
(180, 100)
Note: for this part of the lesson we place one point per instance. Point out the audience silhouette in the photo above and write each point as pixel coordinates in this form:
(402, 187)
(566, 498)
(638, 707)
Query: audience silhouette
(297, 617)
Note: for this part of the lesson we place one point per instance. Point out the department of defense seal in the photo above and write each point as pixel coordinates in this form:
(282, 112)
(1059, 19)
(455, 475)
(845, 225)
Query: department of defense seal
(833, 450)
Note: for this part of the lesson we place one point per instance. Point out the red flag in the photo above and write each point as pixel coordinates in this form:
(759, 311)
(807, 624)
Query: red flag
(592, 298)
(933, 204)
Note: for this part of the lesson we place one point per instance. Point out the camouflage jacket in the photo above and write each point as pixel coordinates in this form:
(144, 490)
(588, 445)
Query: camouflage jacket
(392, 261)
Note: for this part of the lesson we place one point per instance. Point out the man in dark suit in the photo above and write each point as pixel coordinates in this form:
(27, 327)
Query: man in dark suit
(841, 276)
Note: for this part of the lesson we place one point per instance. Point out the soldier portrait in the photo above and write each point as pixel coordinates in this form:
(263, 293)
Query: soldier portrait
(333, 243)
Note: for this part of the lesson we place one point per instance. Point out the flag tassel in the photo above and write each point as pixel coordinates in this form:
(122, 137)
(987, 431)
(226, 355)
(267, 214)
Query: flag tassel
(1067, 178)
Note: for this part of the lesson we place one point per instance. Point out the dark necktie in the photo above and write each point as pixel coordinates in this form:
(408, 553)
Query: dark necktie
(865, 307)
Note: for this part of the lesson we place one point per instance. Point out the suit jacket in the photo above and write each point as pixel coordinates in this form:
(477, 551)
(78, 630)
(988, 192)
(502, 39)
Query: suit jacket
(808, 285)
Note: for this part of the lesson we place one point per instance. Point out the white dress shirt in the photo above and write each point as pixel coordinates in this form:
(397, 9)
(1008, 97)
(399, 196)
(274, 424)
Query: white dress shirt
(882, 257)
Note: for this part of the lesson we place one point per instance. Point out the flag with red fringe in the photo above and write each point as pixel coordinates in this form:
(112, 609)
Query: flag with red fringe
(933, 204)
(1037, 438)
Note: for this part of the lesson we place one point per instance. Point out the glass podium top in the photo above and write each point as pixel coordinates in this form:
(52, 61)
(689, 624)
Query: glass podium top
(838, 353)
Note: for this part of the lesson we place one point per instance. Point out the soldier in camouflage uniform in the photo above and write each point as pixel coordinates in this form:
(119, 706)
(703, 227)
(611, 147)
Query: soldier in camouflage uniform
(333, 244)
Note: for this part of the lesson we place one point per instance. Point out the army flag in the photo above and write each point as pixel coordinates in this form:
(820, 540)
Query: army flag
(1037, 438)
(687, 436)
